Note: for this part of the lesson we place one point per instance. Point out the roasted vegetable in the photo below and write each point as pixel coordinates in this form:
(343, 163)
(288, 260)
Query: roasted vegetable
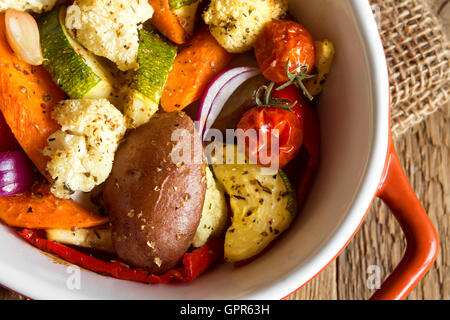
(285, 52)
(154, 202)
(76, 71)
(22, 33)
(281, 42)
(194, 68)
(325, 52)
(237, 23)
(281, 132)
(82, 152)
(177, 4)
(7, 142)
(194, 263)
(214, 214)
(185, 10)
(263, 202)
(39, 209)
(89, 238)
(165, 20)
(27, 97)
(109, 28)
(155, 59)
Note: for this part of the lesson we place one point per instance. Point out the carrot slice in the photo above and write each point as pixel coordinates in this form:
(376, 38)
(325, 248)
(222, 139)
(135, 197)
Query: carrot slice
(39, 209)
(197, 64)
(167, 22)
(27, 97)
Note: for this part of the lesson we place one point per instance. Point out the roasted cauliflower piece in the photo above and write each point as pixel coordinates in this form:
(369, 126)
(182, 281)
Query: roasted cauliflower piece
(237, 23)
(82, 152)
(37, 6)
(109, 28)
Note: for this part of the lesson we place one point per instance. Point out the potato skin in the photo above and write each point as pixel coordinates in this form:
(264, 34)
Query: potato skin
(154, 204)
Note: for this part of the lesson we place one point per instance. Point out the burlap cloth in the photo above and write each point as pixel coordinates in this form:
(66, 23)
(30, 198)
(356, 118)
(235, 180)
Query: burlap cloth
(418, 55)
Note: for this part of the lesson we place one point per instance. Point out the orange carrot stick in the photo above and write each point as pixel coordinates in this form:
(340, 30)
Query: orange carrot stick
(167, 22)
(39, 209)
(27, 97)
(197, 64)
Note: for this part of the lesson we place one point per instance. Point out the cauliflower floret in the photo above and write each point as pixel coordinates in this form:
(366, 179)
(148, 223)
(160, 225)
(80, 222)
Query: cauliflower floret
(109, 28)
(82, 152)
(237, 23)
(214, 214)
(37, 6)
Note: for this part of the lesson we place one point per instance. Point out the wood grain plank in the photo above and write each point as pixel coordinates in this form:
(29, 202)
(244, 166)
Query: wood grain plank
(324, 286)
(6, 294)
(424, 153)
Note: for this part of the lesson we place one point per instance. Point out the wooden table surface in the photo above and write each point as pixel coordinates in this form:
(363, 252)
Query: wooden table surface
(424, 153)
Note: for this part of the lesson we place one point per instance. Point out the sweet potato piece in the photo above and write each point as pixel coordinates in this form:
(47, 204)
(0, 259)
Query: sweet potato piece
(27, 96)
(195, 66)
(167, 22)
(39, 209)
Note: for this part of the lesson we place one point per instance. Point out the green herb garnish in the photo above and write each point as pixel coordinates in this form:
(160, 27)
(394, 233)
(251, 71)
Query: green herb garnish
(296, 77)
(269, 101)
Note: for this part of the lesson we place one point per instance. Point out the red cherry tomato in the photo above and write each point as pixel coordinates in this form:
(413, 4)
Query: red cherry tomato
(293, 94)
(311, 136)
(302, 174)
(280, 41)
(265, 121)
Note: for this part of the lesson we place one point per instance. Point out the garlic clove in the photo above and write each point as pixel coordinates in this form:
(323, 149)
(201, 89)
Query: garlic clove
(22, 33)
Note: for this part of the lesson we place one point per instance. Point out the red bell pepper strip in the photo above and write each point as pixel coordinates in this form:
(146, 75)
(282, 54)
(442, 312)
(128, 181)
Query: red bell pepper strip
(194, 263)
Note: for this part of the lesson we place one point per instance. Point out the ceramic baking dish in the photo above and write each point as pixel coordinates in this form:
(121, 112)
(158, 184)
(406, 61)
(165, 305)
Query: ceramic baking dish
(358, 163)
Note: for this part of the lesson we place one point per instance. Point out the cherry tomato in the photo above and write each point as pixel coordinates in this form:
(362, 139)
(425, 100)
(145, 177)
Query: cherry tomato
(311, 138)
(265, 120)
(293, 94)
(280, 41)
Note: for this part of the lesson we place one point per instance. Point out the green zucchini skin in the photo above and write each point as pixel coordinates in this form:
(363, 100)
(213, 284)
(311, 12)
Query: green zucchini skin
(262, 200)
(186, 15)
(155, 59)
(68, 66)
(177, 4)
(292, 200)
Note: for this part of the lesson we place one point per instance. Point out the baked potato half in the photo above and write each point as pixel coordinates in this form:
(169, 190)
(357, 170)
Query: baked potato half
(155, 201)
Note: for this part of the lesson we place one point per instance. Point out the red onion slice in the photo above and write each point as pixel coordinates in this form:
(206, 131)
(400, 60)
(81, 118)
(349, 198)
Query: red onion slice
(217, 94)
(16, 173)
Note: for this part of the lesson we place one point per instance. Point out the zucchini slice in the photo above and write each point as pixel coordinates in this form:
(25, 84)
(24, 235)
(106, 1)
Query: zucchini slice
(214, 214)
(177, 4)
(74, 69)
(262, 201)
(185, 11)
(155, 59)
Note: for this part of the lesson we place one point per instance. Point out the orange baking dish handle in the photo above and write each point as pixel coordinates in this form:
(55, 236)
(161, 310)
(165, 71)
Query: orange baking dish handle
(422, 240)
